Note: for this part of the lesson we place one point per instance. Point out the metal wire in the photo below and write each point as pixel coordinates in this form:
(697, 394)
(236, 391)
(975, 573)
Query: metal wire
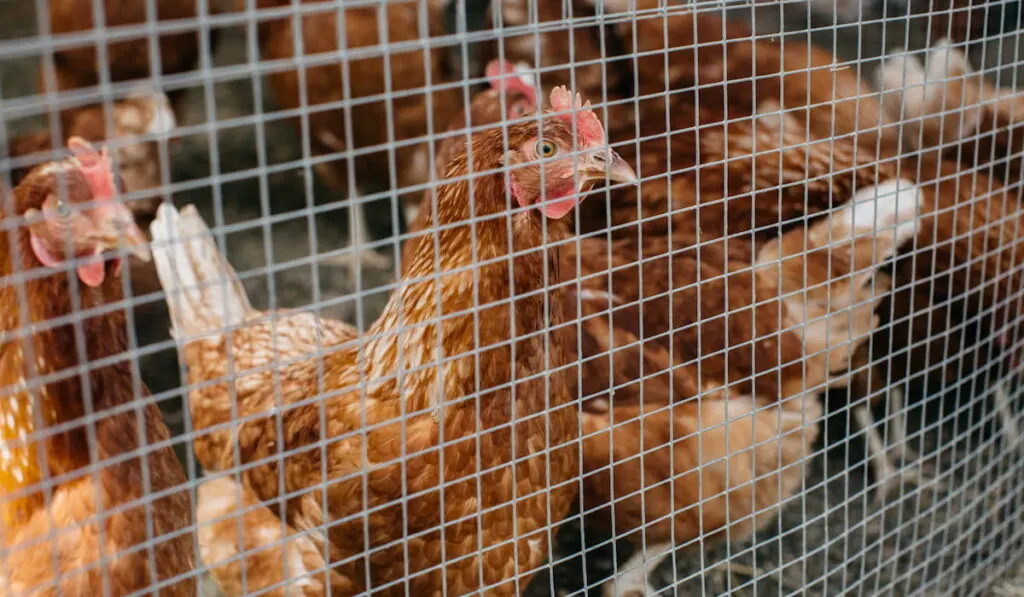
(725, 483)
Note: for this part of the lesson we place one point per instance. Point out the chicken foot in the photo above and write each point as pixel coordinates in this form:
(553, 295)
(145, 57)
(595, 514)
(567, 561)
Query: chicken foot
(1001, 398)
(359, 230)
(633, 582)
(887, 475)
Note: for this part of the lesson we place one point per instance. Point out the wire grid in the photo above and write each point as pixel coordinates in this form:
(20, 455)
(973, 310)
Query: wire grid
(257, 178)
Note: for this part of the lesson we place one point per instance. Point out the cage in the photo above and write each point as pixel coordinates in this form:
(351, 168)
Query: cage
(340, 297)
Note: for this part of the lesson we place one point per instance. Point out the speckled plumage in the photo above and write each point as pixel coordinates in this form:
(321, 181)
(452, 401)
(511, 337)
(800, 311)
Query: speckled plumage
(707, 364)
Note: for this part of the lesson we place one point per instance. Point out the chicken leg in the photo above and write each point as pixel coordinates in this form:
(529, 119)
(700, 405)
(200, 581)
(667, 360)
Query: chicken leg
(1002, 398)
(359, 233)
(637, 569)
(889, 477)
(358, 226)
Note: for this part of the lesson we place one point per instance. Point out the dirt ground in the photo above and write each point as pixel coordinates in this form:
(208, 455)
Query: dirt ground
(959, 536)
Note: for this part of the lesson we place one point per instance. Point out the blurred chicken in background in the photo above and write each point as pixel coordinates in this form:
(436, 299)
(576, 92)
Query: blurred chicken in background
(968, 137)
(126, 59)
(760, 328)
(390, 114)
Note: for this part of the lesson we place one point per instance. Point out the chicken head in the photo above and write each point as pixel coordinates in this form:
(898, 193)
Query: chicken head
(70, 211)
(514, 80)
(563, 162)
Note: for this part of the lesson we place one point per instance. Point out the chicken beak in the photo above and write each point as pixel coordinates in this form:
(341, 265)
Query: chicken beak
(118, 226)
(608, 165)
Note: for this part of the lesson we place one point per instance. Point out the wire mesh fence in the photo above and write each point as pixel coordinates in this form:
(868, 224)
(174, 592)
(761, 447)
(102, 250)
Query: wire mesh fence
(354, 297)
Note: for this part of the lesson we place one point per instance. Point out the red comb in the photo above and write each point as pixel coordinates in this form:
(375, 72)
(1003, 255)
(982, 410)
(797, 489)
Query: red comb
(502, 74)
(588, 127)
(95, 166)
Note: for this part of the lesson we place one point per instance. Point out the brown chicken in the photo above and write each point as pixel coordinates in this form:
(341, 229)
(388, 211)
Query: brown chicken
(373, 494)
(127, 59)
(775, 172)
(969, 134)
(759, 341)
(373, 120)
(74, 524)
(965, 256)
(720, 76)
(947, 106)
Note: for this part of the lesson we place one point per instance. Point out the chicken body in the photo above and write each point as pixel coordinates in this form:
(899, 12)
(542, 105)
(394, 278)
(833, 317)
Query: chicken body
(948, 108)
(98, 528)
(698, 337)
(127, 59)
(372, 121)
(415, 448)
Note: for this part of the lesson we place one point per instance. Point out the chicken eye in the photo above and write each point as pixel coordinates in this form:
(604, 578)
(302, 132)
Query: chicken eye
(62, 208)
(546, 149)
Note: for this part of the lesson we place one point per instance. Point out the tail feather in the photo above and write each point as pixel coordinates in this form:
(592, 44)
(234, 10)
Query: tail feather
(884, 216)
(203, 292)
(248, 549)
(936, 99)
(827, 271)
(847, 246)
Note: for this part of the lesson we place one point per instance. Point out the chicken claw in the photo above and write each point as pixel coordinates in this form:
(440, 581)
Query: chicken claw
(1002, 397)
(358, 234)
(633, 581)
(888, 477)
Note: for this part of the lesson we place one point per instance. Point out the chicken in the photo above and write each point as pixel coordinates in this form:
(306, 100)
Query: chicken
(126, 59)
(375, 116)
(948, 107)
(377, 521)
(965, 250)
(711, 70)
(868, 387)
(75, 523)
(758, 341)
(520, 99)
(798, 155)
